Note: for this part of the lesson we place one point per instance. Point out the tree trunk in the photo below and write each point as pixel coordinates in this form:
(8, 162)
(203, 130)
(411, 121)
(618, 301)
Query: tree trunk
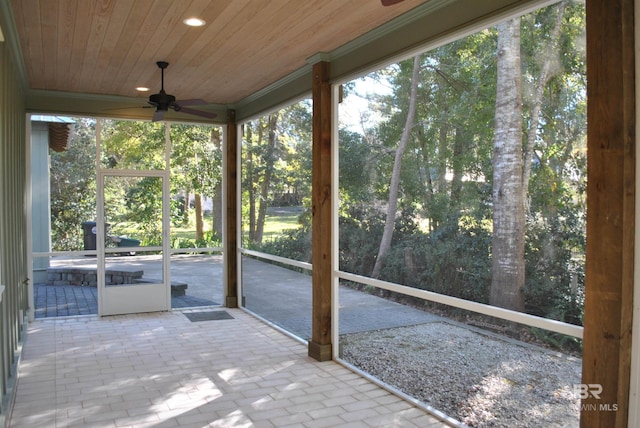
(217, 226)
(199, 224)
(428, 192)
(456, 179)
(546, 73)
(272, 122)
(508, 268)
(186, 207)
(442, 158)
(249, 167)
(392, 207)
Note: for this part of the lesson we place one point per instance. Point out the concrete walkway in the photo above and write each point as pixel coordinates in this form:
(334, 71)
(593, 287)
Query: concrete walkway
(277, 294)
(284, 298)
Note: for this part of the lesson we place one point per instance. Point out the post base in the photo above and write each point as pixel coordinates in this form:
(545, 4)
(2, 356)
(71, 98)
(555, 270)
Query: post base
(320, 352)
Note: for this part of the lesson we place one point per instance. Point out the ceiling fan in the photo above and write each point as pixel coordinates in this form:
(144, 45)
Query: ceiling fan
(162, 101)
(390, 2)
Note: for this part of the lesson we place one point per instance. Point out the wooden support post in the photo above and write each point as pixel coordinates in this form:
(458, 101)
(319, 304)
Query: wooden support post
(231, 225)
(322, 273)
(610, 214)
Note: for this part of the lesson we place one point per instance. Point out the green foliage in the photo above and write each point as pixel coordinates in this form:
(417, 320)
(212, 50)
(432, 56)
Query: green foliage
(143, 201)
(447, 262)
(293, 244)
(196, 158)
(360, 232)
(209, 240)
(179, 217)
(73, 187)
(554, 262)
(442, 235)
(132, 145)
(276, 165)
(559, 341)
(356, 167)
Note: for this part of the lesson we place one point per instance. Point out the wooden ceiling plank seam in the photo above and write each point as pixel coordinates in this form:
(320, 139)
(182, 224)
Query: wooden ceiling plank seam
(225, 28)
(185, 37)
(226, 56)
(367, 20)
(256, 29)
(276, 49)
(81, 32)
(299, 31)
(115, 31)
(118, 64)
(164, 40)
(177, 54)
(138, 57)
(262, 13)
(208, 35)
(49, 10)
(31, 40)
(66, 27)
(99, 25)
(161, 41)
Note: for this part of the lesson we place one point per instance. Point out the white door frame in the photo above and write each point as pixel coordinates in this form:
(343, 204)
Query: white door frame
(132, 298)
(147, 297)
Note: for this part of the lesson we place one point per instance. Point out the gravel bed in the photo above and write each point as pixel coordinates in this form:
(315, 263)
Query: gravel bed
(479, 378)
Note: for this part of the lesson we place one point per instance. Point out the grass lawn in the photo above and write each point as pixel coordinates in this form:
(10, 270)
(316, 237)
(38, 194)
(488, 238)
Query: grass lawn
(277, 220)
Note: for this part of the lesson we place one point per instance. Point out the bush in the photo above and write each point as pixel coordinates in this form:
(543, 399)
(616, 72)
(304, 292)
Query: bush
(447, 261)
(455, 261)
(359, 241)
(294, 244)
(554, 280)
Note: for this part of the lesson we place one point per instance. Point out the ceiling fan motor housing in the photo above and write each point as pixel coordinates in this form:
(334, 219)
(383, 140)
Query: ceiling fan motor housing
(162, 100)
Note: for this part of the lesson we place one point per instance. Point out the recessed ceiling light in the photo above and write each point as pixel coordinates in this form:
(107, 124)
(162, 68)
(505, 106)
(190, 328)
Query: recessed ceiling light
(194, 22)
(142, 89)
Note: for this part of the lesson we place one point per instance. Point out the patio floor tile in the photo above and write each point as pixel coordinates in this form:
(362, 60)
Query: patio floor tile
(161, 369)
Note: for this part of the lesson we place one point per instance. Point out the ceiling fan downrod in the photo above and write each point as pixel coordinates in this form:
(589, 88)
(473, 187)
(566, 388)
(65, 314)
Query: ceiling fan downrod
(162, 65)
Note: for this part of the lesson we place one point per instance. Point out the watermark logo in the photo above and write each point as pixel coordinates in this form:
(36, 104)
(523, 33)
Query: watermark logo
(584, 391)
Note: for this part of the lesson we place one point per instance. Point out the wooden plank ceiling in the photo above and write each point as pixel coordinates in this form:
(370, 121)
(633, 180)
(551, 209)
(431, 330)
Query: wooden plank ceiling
(110, 47)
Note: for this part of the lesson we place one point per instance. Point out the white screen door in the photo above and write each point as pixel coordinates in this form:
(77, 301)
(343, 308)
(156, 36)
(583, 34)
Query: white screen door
(132, 248)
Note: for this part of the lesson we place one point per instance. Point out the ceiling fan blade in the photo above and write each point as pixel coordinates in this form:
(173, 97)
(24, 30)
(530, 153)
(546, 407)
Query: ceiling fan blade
(207, 114)
(158, 116)
(390, 2)
(194, 102)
